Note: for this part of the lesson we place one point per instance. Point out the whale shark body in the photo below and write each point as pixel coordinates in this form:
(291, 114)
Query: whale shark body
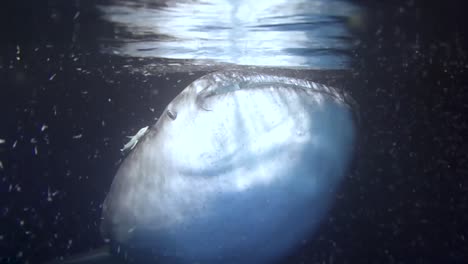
(240, 168)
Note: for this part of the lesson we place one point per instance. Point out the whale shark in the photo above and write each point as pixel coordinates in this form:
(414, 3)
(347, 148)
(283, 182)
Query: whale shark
(241, 167)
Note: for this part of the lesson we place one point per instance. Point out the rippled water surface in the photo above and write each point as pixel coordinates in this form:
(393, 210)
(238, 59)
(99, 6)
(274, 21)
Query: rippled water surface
(279, 33)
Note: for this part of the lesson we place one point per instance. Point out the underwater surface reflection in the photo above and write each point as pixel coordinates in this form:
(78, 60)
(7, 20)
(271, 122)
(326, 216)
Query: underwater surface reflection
(292, 34)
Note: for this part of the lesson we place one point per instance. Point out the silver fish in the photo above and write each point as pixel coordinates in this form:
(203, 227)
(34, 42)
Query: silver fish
(240, 168)
(134, 139)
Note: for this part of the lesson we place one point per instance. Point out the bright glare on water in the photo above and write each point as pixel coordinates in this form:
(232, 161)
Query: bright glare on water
(276, 33)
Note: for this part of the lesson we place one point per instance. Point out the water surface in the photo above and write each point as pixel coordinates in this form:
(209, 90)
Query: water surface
(279, 33)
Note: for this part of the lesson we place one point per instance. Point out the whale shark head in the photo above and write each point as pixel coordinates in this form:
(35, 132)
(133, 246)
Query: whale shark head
(240, 168)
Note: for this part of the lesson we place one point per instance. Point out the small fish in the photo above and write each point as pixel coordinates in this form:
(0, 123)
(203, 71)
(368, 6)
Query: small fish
(134, 139)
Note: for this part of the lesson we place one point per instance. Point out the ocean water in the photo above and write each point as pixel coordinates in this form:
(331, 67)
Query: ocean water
(287, 34)
(78, 77)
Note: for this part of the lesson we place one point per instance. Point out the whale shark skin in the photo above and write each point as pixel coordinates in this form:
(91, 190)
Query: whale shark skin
(240, 168)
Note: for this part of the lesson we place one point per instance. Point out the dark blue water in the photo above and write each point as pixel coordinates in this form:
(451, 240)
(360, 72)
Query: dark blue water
(78, 77)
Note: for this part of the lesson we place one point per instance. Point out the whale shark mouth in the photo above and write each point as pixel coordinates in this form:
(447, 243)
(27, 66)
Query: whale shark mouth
(240, 168)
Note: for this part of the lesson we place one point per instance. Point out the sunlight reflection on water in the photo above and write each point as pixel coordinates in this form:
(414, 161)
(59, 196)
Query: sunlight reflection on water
(293, 34)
